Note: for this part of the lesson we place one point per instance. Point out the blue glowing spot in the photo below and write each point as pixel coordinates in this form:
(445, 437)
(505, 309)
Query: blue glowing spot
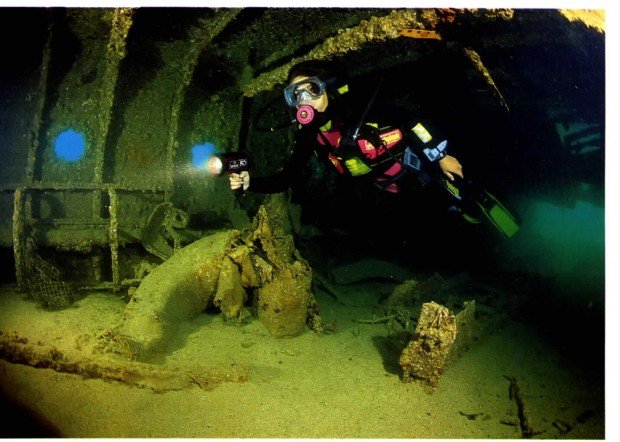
(70, 145)
(201, 154)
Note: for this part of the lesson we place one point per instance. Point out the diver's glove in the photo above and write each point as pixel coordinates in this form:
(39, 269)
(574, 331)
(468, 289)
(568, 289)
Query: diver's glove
(239, 180)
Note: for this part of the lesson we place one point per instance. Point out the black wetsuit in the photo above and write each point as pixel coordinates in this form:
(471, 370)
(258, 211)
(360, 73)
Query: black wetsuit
(307, 142)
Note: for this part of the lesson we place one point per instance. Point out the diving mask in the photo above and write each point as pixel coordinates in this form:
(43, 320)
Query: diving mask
(304, 91)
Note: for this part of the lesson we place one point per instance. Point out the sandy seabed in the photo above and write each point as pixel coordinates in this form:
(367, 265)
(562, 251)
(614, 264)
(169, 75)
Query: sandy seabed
(346, 384)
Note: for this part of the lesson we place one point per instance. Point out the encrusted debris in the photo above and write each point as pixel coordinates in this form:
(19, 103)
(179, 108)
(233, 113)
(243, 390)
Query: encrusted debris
(18, 350)
(283, 302)
(159, 230)
(224, 270)
(514, 392)
(426, 354)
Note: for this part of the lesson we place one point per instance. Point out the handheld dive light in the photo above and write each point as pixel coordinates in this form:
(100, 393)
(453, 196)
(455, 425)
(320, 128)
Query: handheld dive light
(230, 162)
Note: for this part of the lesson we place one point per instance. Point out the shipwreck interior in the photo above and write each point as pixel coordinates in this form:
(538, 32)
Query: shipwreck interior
(108, 115)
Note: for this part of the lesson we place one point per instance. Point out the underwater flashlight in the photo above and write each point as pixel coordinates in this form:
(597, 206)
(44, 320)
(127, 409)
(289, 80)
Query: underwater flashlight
(305, 114)
(230, 162)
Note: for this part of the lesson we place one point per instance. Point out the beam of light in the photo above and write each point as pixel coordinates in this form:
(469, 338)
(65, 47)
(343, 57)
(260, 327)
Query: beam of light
(201, 153)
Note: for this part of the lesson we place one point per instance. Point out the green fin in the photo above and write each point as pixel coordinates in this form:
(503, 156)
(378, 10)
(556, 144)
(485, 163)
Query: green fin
(451, 187)
(499, 216)
(492, 209)
(470, 219)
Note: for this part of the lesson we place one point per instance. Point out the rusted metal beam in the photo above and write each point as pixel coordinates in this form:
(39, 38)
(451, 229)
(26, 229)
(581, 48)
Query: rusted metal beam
(81, 187)
(18, 236)
(473, 56)
(121, 23)
(22, 206)
(113, 232)
(416, 22)
(352, 39)
(18, 349)
(41, 93)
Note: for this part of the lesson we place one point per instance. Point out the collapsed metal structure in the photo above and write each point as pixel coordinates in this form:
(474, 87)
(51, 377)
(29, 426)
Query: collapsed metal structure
(109, 198)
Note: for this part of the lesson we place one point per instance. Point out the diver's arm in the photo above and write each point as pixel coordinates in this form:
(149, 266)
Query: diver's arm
(281, 180)
(436, 153)
(422, 135)
(448, 164)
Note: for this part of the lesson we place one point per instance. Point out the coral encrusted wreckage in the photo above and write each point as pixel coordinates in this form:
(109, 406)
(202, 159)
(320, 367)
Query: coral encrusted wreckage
(221, 270)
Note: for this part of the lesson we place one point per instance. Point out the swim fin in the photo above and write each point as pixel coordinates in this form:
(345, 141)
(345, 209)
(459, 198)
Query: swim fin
(468, 193)
(497, 214)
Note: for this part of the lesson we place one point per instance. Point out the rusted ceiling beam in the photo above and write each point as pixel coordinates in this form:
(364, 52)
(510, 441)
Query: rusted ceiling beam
(377, 29)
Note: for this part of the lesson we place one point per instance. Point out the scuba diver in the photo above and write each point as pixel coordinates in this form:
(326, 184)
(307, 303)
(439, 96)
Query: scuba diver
(382, 146)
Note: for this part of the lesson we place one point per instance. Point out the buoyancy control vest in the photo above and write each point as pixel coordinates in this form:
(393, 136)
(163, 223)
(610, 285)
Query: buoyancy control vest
(376, 154)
